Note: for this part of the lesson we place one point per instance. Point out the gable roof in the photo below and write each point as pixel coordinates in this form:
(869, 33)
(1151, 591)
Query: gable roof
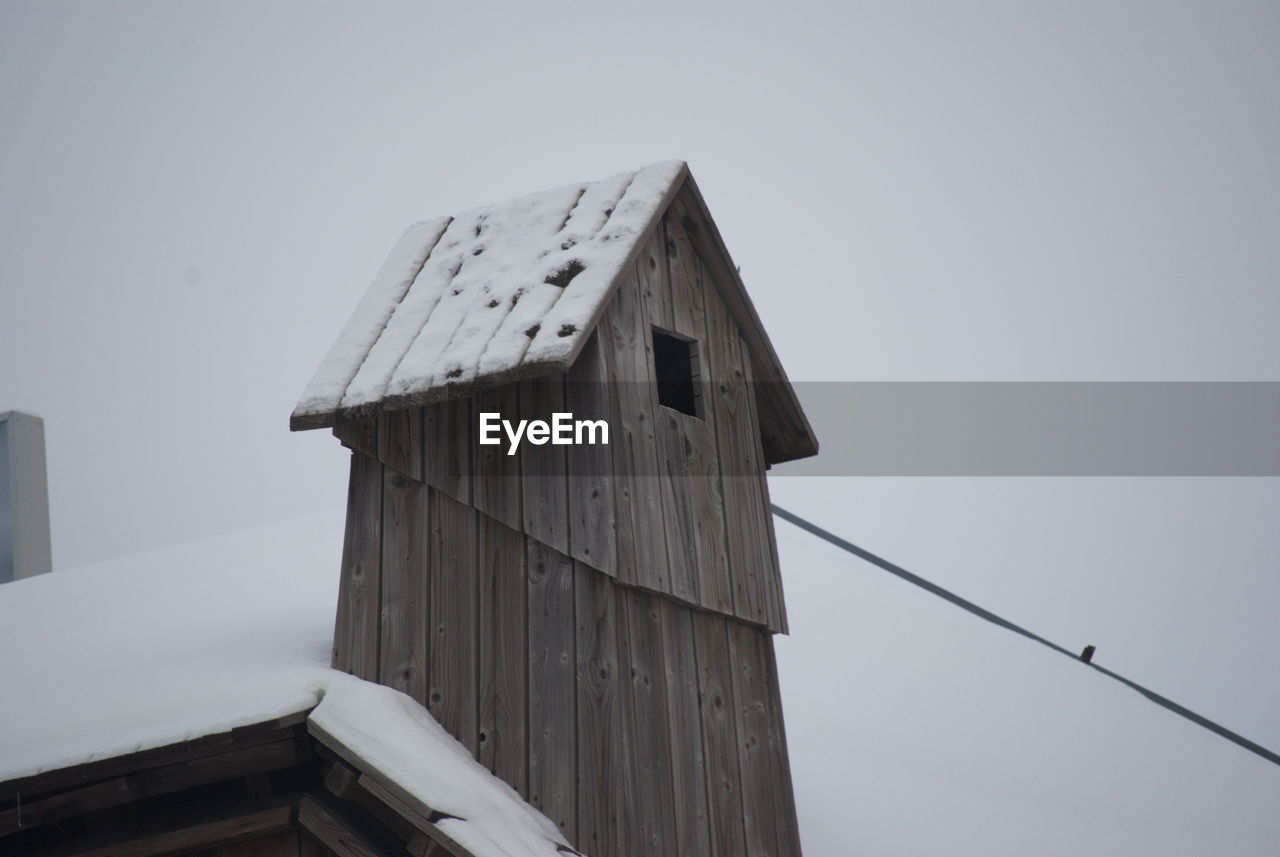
(514, 290)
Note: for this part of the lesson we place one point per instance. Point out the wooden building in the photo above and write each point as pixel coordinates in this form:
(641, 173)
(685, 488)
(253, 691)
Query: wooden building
(594, 623)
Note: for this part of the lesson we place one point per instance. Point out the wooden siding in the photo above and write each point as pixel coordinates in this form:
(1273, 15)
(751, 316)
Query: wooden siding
(640, 724)
(676, 504)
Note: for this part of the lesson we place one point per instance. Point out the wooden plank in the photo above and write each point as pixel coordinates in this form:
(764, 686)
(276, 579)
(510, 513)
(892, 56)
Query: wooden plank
(387, 792)
(673, 430)
(235, 827)
(642, 551)
(692, 835)
(640, 651)
(406, 562)
(414, 811)
(710, 548)
(400, 441)
(735, 440)
(333, 830)
(149, 783)
(340, 780)
(688, 311)
(269, 731)
(496, 489)
(784, 427)
(600, 739)
(503, 652)
(788, 827)
(453, 609)
(592, 526)
(719, 734)
(753, 722)
(446, 456)
(543, 468)
(553, 741)
(689, 318)
(654, 279)
(356, 635)
(359, 435)
(766, 546)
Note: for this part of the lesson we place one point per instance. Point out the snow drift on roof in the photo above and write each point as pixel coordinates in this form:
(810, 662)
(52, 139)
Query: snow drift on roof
(198, 639)
(488, 295)
(913, 727)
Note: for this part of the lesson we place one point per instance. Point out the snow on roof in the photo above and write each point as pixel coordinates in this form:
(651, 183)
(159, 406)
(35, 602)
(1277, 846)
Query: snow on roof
(198, 639)
(494, 293)
(913, 727)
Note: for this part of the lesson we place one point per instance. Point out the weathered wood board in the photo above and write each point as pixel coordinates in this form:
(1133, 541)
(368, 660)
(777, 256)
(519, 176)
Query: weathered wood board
(447, 446)
(652, 830)
(546, 491)
(592, 523)
(359, 435)
(453, 697)
(688, 763)
(503, 651)
(400, 441)
(760, 792)
(735, 436)
(601, 776)
(642, 551)
(356, 635)
(496, 488)
(717, 708)
(553, 766)
(405, 571)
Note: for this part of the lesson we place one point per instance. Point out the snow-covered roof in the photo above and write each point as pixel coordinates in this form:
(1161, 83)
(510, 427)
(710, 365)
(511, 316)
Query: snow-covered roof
(199, 639)
(489, 295)
(913, 727)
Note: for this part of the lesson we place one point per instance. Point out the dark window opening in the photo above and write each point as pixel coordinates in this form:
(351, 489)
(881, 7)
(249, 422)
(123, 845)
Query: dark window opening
(676, 363)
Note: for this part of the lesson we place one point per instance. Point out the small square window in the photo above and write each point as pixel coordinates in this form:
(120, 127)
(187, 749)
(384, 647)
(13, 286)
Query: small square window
(676, 367)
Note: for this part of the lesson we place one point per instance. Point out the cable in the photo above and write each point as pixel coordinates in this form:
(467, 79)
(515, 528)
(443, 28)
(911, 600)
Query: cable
(983, 613)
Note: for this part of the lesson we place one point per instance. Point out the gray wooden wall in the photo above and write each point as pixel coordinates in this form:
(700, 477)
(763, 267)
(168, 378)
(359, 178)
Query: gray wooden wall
(676, 504)
(638, 724)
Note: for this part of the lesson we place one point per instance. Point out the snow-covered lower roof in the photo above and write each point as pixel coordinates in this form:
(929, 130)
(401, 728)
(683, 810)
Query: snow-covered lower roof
(913, 727)
(489, 295)
(199, 639)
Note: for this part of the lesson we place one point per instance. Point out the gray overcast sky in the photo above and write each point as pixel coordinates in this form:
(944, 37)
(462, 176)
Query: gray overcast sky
(195, 195)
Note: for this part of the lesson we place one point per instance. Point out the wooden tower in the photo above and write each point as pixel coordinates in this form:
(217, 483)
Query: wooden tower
(593, 622)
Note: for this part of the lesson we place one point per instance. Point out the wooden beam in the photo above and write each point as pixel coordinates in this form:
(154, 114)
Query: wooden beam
(413, 811)
(336, 833)
(340, 779)
(389, 794)
(189, 838)
(149, 783)
(209, 745)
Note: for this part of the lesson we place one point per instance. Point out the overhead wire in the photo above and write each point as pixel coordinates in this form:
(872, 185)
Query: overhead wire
(985, 614)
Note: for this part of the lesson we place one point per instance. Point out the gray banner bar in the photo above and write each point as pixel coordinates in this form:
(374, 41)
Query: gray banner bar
(1042, 429)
